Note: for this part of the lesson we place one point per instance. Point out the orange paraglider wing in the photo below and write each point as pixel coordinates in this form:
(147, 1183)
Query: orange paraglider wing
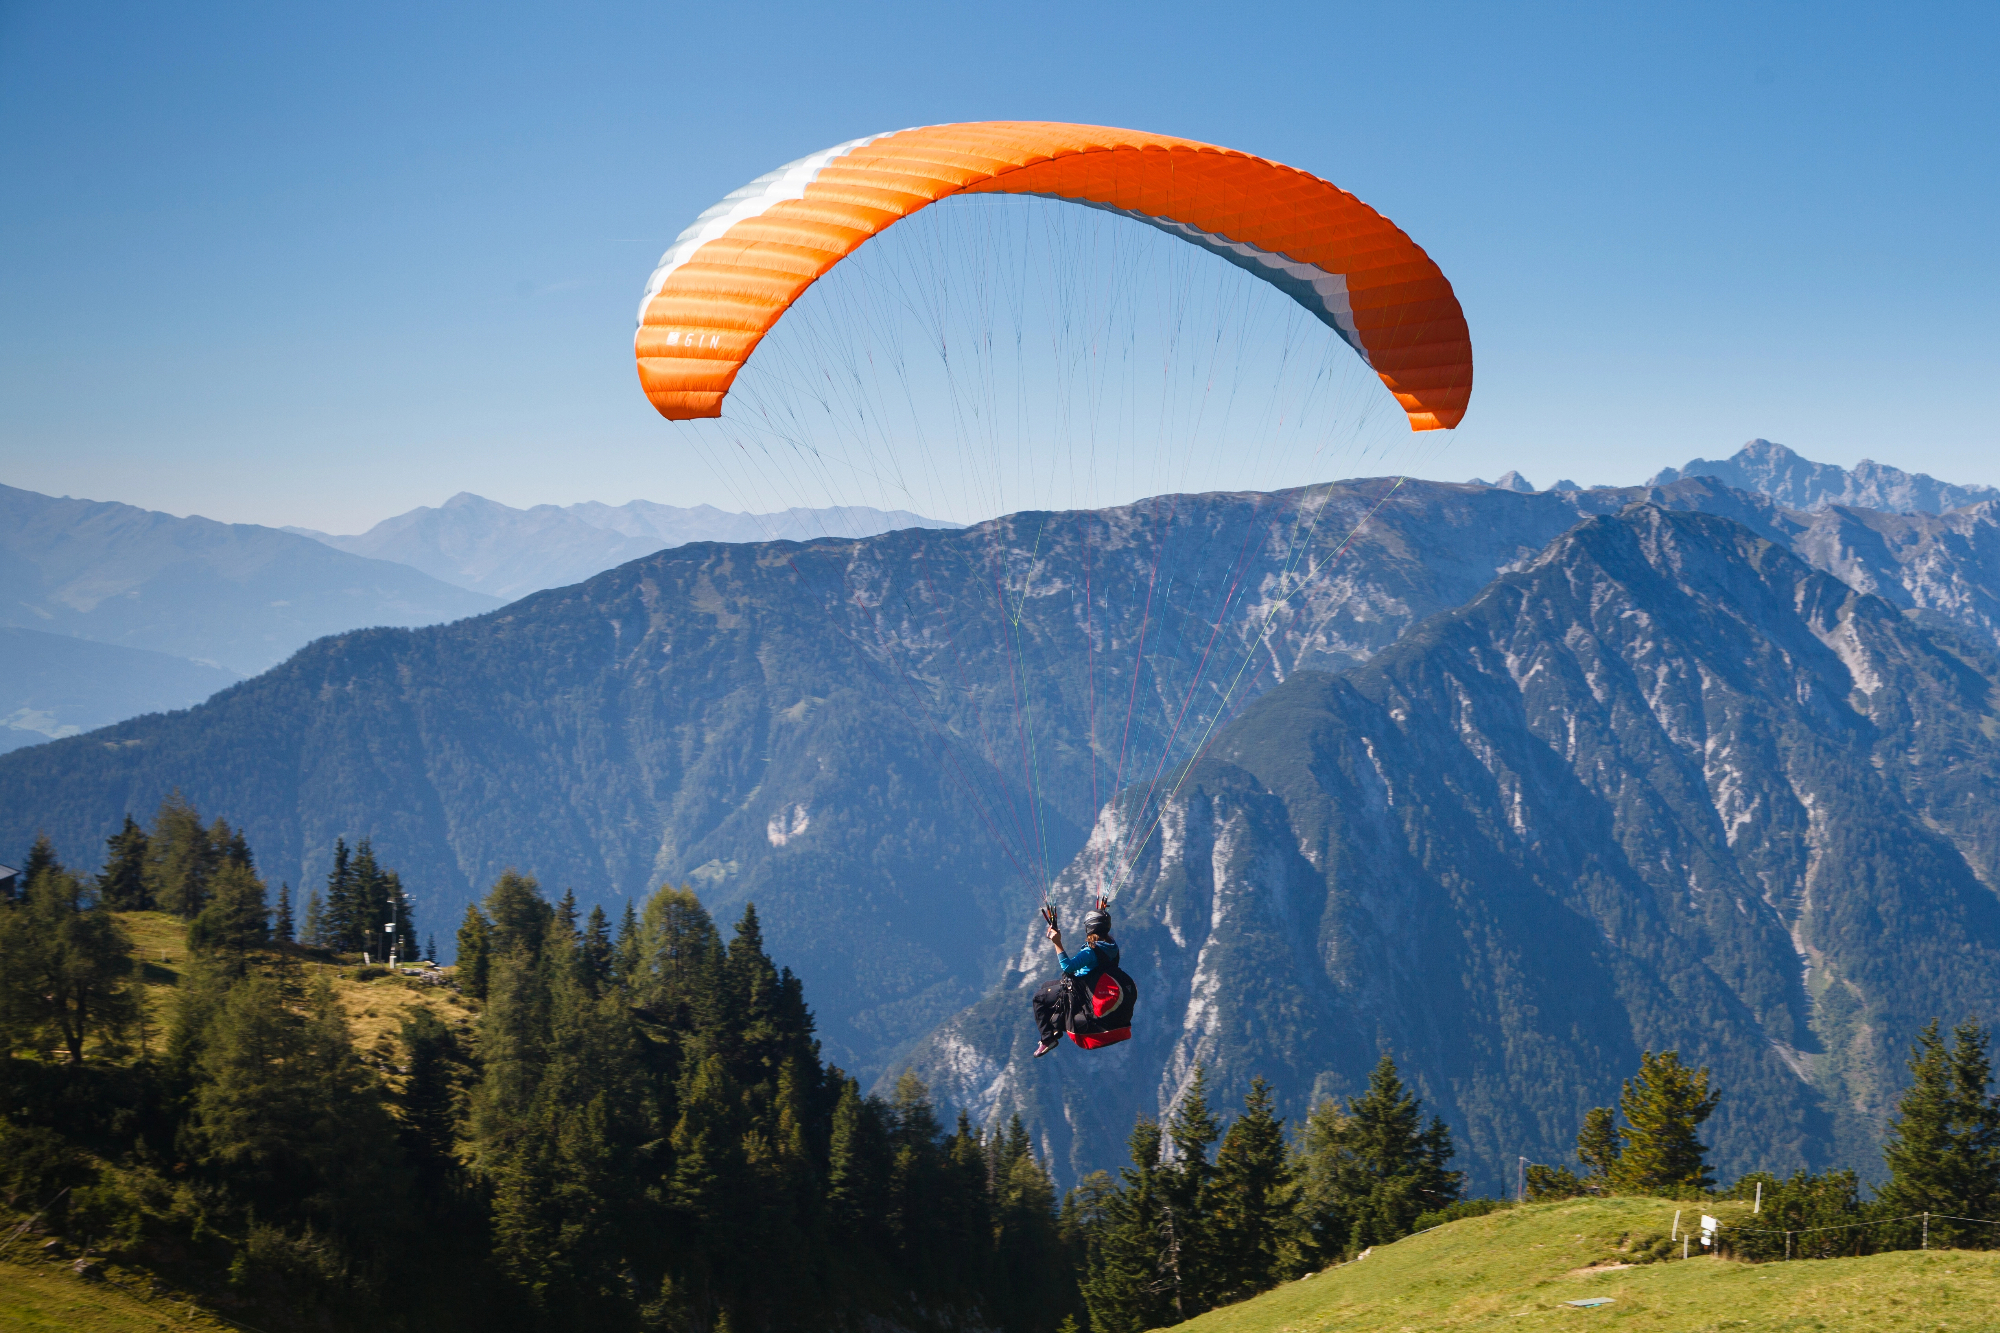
(732, 275)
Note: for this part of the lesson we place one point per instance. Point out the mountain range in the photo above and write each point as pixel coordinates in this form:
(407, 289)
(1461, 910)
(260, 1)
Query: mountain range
(233, 596)
(893, 744)
(1799, 483)
(1664, 787)
(505, 552)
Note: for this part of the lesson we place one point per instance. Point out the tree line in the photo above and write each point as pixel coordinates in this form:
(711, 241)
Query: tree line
(1941, 1157)
(631, 1126)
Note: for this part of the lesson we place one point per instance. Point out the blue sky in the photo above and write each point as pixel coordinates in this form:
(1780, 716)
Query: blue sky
(318, 264)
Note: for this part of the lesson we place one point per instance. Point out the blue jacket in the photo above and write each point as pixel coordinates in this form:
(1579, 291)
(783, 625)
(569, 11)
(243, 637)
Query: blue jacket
(1091, 959)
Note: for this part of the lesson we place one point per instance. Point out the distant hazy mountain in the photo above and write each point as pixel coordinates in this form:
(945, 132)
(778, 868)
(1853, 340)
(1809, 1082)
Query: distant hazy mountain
(493, 548)
(1798, 483)
(234, 595)
(54, 685)
(1664, 787)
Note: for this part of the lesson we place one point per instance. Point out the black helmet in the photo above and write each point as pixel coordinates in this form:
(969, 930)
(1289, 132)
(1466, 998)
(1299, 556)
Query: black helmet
(1097, 923)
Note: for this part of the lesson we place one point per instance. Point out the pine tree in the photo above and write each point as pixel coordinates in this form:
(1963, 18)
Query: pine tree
(593, 953)
(65, 968)
(676, 967)
(122, 883)
(1664, 1105)
(475, 959)
(858, 1170)
(1370, 1171)
(428, 1096)
(282, 929)
(566, 913)
(1187, 1259)
(628, 945)
(1251, 1199)
(1943, 1147)
(915, 1169)
(1129, 1285)
(315, 925)
(41, 860)
(234, 920)
(340, 916)
(231, 846)
(1598, 1146)
(369, 909)
(518, 915)
(431, 948)
(180, 858)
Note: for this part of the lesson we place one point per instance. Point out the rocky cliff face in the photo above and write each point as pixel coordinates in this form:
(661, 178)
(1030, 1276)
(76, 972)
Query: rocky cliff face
(1664, 786)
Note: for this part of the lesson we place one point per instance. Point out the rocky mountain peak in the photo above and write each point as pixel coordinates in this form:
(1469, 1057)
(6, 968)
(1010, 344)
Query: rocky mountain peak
(1799, 483)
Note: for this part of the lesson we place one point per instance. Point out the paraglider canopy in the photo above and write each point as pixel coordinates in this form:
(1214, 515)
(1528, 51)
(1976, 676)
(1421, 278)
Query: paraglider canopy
(732, 275)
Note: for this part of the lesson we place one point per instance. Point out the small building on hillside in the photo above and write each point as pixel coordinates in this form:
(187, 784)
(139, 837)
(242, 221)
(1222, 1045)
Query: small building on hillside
(10, 882)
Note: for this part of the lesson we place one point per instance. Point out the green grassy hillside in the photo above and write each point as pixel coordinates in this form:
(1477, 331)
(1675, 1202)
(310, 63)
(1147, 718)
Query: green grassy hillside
(47, 1296)
(1519, 1269)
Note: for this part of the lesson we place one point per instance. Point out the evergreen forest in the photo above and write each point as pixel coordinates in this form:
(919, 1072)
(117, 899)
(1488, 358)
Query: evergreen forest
(631, 1125)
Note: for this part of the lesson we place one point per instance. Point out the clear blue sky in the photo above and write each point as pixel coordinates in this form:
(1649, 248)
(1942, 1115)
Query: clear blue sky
(318, 264)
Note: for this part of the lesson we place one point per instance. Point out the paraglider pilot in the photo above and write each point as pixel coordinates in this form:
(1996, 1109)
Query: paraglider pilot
(1099, 954)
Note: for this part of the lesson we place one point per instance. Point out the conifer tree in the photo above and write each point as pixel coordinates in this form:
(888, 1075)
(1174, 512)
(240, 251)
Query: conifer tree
(1129, 1287)
(230, 845)
(1373, 1169)
(1664, 1105)
(282, 928)
(858, 1171)
(429, 1090)
(1187, 1258)
(566, 913)
(593, 954)
(340, 916)
(41, 860)
(65, 968)
(1943, 1147)
(122, 883)
(180, 857)
(518, 915)
(1598, 1146)
(235, 918)
(315, 923)
(368, 904)
(627, 946)
(1252, 1199)
(914, 1212)
(474, 953)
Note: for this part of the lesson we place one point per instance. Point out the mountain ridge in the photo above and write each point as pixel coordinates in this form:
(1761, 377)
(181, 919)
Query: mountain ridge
(496, 549)
(1740, 802)
(1799, 483)
(234, 595)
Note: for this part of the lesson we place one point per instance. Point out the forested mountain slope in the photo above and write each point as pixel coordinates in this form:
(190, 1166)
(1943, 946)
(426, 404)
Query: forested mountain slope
(836, 730)
(832, 729)
(1664, 787)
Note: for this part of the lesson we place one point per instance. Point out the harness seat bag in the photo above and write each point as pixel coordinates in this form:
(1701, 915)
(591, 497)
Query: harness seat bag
(1101, 1012)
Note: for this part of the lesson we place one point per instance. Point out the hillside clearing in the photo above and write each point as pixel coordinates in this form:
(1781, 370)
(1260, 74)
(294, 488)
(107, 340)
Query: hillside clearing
(36, 1297)
(1517, 1269)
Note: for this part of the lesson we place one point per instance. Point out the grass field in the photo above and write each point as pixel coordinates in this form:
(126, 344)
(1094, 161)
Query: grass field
(375, 1008)
(1518, 1269)
(35, 1297)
